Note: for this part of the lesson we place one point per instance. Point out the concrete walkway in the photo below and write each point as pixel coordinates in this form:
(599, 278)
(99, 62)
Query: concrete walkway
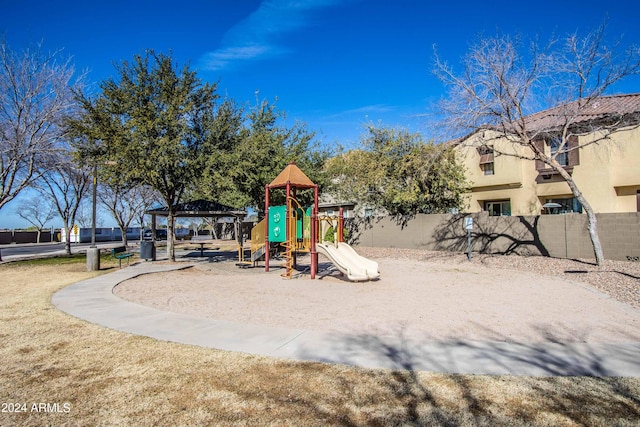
(93, 300)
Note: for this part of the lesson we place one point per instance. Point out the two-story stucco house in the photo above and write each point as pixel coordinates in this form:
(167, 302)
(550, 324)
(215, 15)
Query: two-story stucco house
(607, 172)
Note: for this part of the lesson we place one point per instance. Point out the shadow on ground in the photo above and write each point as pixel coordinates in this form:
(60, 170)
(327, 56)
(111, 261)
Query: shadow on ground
(568, 381)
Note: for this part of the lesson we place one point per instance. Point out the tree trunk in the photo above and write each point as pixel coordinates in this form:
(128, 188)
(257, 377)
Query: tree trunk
(170, 227)
(593, 232)
(142, 228)
(67, 243)
(213, 232)
(123, 232)
(591, 215)
(124, 237)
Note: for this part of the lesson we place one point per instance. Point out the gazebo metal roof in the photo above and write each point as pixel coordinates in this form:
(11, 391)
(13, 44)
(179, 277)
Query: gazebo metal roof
(200, 208)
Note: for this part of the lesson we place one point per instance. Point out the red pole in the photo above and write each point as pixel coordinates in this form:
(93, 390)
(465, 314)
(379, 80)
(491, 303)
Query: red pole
(341, 225)
(287, 234)
(314, 233)
(294, 238)
(266, 228)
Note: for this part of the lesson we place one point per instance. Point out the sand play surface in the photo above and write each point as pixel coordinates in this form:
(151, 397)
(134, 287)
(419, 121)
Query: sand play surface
(413, 298)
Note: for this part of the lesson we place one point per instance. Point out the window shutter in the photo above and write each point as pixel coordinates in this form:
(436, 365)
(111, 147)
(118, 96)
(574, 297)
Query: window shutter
(486, 158)
(574, 153)
(539, 144)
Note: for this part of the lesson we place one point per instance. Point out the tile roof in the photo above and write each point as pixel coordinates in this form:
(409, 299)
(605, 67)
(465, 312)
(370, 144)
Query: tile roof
(625, 106)
(577, 112)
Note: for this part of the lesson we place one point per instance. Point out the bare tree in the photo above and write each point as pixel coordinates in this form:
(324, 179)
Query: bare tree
(66, 184)
(195, 225)
(35, 98)
(212, 224)
(126, 203)
(37, 211)
(84, 215)
(503, 82)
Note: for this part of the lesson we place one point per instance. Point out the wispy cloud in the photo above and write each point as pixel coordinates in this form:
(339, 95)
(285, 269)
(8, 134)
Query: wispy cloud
(374, 108)
(364, 110)
(258, 36)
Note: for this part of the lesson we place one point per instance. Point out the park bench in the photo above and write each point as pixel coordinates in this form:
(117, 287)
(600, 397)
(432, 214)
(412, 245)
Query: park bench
(121, 253)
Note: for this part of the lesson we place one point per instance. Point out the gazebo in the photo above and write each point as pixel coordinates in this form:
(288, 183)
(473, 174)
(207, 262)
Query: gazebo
(199, 209)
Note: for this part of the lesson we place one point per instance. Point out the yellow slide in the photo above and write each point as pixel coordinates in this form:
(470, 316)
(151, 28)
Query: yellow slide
(357, 268)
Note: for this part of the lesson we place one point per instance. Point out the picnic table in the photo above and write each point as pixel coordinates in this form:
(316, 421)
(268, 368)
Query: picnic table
(201, 241)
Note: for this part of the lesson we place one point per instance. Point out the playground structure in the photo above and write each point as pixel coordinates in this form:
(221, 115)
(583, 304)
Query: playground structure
(295, 229)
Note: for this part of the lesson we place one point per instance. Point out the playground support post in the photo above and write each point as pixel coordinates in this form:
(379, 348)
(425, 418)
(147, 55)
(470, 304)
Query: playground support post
(314, 233)
(287, 232)
(292, 230)
(341, 225)
(266, 227)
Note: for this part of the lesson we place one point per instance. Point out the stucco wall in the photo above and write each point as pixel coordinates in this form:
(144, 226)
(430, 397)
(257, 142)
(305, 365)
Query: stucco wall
(562, 236)
(608, 175)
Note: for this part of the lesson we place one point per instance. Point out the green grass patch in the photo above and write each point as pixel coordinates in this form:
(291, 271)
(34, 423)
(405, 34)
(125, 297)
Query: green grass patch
(55, 260)
(106, 260)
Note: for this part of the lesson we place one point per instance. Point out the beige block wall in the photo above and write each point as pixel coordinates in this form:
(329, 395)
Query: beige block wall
(561, 236)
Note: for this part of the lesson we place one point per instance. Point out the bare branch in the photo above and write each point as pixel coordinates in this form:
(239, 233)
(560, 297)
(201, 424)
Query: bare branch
(35, 98)
(500, 83)
(66, 185)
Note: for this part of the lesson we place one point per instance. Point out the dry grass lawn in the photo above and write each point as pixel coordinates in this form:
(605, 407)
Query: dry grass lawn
(89, 375)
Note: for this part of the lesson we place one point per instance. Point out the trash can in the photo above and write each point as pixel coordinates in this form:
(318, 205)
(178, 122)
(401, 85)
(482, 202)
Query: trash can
(148, 250)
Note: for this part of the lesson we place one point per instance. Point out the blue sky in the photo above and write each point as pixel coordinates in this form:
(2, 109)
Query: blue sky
(333, 64)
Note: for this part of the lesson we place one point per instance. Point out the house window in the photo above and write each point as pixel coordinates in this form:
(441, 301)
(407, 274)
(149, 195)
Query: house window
(566, 205)
(638, 200)
(368, 212)
(498, 207)
(561, 156)
(486, 159)
(568, 157)
(487, 168)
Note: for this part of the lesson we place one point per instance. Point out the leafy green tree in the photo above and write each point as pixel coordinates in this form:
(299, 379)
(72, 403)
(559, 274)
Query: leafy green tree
(154, 121)
(400, 173)
(262, 146)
